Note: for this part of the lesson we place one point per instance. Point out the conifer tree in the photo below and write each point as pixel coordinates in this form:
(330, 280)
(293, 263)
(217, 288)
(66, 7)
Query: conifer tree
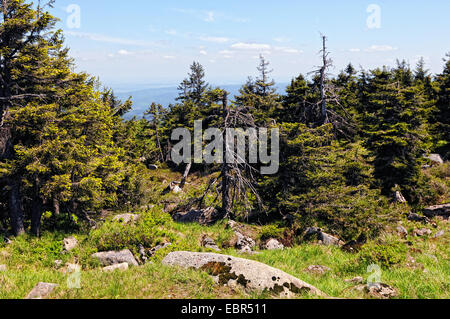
(394, 123)
(440, 117)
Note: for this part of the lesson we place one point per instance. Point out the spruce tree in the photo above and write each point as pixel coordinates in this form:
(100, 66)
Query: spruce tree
(394, 126)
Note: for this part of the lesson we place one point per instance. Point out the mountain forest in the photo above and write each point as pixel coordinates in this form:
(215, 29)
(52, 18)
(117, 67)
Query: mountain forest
(363, 179)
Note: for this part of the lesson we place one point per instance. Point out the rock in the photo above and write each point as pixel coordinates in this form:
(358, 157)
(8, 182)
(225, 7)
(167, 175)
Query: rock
(356, 280)
(126, 218)
(152, 167)
(402, 231)
(382, 291)
(58, 263)
(317, 269)
(109, 258)
(70, 243)
(439, 234)
(208, 242)
(435, 159)
(311, 231)
(413, 264)
(250, 274)
(122, 266)
(422, 232)
(329, 240)
(399, 198)
(41, 290)
(159, 247)
(244, 243)
(3, 268)
(273, 244)
(437, 210)
(323, 238)
(417, 218)
(207, 216)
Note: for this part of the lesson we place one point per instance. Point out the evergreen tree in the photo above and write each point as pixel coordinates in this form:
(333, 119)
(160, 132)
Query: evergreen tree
(259, 96)
(394, 124)
(440, 117)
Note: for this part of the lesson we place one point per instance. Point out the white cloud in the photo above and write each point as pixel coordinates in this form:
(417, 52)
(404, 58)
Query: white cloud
(288, 50)
(380, 48)
(203, 52)
(214, 39)
(355, 50)
(107, 39)
(282, 39)
(250, 46)
(226, 52)
(171, 32)
(124, 52)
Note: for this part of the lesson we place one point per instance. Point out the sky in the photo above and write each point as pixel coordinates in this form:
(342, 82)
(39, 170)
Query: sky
(147, 43)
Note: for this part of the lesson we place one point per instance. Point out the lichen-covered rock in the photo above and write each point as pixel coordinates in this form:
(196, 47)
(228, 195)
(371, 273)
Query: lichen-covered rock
(41, 290)
(273, 244)
(252, 275)
(70, 243)
(381, 290)
(126, 218)
(109, 258)
(122, 266)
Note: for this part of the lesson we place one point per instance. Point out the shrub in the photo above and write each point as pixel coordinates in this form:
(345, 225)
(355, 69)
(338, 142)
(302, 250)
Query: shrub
(148, 232)
(382, 253)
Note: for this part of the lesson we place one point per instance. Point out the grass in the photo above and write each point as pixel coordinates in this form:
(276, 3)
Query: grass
(30, 260)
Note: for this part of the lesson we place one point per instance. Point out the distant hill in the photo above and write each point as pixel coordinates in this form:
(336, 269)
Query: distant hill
(167, 95)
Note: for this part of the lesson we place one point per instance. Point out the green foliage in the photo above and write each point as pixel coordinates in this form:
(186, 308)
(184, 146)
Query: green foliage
(395, 114)
(149, 231)
(270, 231)
(384, 254)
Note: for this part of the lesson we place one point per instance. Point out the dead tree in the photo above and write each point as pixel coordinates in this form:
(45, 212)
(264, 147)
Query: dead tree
(237, 177)
(326, 64)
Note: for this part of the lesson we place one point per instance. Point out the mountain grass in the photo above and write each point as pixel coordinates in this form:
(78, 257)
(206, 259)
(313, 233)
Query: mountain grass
(31, 260)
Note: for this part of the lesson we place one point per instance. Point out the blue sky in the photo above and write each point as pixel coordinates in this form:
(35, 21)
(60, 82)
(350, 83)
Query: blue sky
(141, 43)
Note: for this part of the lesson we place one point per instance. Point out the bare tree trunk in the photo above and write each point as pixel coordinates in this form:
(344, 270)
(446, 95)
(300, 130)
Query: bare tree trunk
(36, 215)
(15, 209)
(226, 200)
(185, 175)
(56, 206)
(159, 145)
(322, 82)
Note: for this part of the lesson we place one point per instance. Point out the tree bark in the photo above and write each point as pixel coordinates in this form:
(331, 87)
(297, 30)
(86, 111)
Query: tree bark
(185, 175)
(15, 209)
(226, 200)
(323, 70)
(36, 215)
